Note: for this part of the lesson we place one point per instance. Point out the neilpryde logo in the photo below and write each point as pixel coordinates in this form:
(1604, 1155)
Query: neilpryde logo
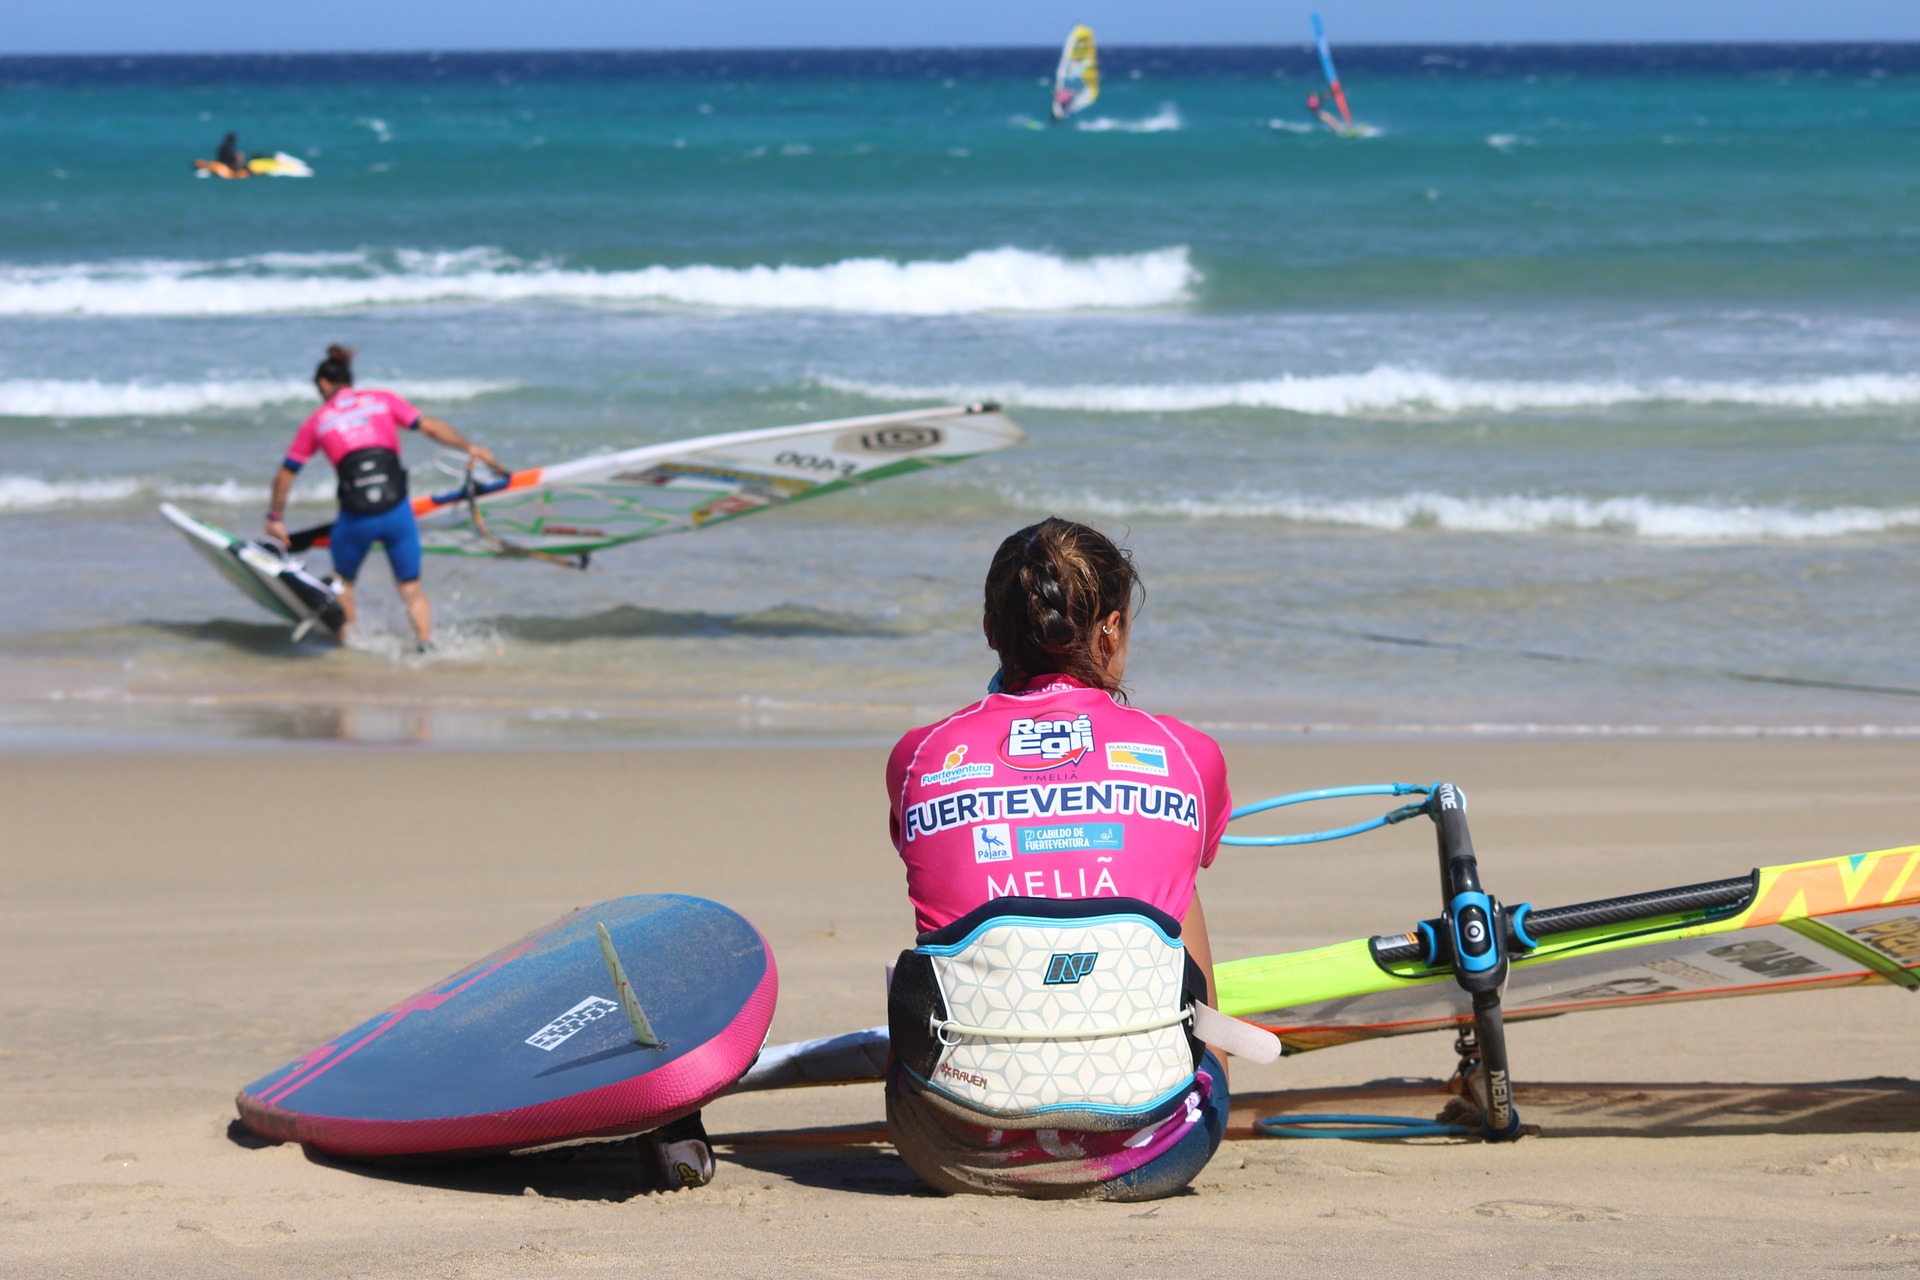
(901, 438)
(952, 770)
(1047, 741)
(1065, 969)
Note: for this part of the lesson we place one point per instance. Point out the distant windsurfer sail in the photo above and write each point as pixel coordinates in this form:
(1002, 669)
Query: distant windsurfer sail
(1076, 83)
(1343, 124)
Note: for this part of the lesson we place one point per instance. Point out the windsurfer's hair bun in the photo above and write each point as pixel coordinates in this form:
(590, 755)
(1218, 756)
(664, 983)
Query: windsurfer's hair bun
(337, 368)
(1048, 590)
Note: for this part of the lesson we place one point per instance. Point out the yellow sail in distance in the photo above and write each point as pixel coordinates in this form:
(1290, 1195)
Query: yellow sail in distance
(1076, 84)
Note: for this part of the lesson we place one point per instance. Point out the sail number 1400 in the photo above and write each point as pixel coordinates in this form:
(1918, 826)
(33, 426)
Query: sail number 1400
(815, 463)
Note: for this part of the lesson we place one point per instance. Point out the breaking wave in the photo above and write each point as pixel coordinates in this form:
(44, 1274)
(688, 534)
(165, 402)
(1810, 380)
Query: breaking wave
(91, 398)
(1640, 517)
(987, 280)
(33, 493)
(1165, 120)
(1391, 390)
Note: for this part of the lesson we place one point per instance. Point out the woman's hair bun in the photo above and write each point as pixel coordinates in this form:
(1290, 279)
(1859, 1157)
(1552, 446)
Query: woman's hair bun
(343, 354)
(1049, 590)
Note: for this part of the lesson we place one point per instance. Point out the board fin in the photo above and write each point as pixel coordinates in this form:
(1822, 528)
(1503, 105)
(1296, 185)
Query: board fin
(642, 1029)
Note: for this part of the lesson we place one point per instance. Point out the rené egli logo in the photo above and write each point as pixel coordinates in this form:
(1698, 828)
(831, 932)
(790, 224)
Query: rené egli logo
(1047, 741)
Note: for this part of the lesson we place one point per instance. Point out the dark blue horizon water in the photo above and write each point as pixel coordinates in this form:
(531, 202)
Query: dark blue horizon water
(1436, 61)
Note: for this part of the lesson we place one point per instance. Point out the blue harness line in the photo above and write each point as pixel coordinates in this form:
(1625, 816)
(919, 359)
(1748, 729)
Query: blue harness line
(1332, 793)
(1340, 1125)
(1481, 933)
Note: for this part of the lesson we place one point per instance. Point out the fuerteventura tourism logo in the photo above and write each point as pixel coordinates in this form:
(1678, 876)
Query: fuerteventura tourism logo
(1137, 757)
(954, 769)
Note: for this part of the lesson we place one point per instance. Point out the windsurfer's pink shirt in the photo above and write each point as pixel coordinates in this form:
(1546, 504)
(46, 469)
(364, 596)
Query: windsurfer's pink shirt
(1055, 791)
(352, 419)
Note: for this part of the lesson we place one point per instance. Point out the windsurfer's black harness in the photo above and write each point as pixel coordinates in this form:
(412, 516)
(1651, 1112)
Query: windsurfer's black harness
(372, 481)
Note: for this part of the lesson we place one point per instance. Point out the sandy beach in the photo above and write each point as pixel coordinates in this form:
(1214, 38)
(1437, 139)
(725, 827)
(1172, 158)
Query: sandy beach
(175, 926)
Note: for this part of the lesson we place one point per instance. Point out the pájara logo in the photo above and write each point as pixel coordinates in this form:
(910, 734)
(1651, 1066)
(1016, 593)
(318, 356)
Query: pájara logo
(1047, 741)
(992, 843)
(1066, 968)
(955, 769)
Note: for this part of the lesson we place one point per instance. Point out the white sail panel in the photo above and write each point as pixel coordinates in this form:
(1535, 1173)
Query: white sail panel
(1076, 82)
(574, 508)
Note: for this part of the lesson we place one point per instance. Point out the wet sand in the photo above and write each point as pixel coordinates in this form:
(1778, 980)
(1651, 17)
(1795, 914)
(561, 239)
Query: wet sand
(174, 927)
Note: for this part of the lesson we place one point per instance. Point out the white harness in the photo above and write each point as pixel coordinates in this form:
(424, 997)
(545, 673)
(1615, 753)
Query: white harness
(1037, 1017)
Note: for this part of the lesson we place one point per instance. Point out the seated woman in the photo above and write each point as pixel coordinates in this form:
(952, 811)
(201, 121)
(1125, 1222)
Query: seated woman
(1052, 835)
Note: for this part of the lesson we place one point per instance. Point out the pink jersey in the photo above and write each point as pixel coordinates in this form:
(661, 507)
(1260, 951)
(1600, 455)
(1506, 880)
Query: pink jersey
(352, 419)
(1056, 791)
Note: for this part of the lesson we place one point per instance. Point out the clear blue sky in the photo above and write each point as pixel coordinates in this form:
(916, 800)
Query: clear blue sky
(212, 26)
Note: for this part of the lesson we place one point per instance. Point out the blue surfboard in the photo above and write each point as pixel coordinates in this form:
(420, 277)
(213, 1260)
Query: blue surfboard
(532, 1045)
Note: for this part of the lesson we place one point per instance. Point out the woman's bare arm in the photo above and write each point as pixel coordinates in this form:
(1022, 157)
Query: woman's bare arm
(441, 432)
(1193, 931)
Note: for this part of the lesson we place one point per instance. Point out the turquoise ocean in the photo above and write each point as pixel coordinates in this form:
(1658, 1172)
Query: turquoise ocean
(1582, 395)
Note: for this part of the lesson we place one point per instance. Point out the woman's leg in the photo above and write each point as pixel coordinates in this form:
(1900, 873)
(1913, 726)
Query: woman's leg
(348, 545)
(419, 611)
(401, 537)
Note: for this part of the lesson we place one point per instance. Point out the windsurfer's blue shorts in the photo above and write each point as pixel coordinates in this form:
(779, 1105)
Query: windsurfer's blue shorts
(395, 529)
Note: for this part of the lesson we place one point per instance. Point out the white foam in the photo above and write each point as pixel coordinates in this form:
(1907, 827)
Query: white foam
(1508, 141)
(1634, 516)
(34, 493)
(987, 280)
(92, 398)
(1392, 391)
(28, 493)
(1293, 126)
(1165, 120)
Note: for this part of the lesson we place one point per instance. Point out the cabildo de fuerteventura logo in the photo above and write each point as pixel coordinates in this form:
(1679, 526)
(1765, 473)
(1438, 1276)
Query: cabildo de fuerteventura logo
(954, 769)
(1044, 742)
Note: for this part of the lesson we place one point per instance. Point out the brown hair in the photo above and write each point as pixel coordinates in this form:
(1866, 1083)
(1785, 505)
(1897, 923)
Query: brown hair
(1048, 588)
(337, 368)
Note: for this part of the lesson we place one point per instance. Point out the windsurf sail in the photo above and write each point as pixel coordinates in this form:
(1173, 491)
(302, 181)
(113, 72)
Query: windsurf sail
(1333, 77)
(573, 509)
(1076, 82)
(280, 165)
(1833, 922)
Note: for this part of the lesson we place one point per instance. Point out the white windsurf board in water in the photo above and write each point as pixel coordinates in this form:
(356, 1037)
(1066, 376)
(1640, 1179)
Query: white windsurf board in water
(264, 572)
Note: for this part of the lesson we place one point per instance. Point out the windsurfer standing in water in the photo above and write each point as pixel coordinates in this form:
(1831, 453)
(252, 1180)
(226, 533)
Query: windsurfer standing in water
(359, 431)
(1318, 105)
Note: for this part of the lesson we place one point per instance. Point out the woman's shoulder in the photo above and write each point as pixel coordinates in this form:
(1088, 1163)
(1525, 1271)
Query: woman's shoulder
(901, 758)
(1197, 743)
